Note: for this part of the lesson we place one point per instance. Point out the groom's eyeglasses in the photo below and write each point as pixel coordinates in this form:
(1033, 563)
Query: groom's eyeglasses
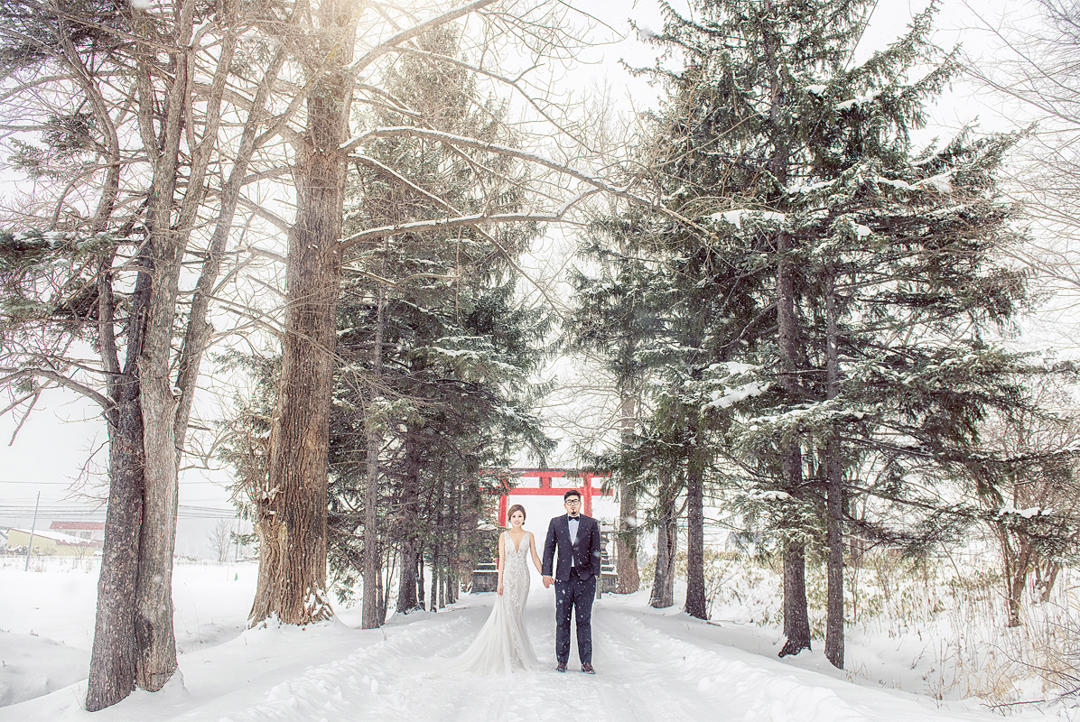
(573, 501)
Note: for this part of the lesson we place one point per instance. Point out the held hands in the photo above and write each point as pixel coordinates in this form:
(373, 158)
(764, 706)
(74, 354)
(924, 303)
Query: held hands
(548, 581)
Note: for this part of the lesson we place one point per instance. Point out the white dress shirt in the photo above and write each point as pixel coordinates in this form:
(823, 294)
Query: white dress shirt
(573, 524)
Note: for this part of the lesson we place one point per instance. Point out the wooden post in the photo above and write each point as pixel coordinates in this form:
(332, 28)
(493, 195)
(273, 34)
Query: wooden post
(588, 494)
(502, 508)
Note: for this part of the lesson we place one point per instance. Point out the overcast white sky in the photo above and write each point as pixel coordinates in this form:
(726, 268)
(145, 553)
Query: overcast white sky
(53, 445)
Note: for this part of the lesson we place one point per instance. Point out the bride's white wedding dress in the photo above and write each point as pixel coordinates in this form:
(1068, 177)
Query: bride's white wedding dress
(503, 642)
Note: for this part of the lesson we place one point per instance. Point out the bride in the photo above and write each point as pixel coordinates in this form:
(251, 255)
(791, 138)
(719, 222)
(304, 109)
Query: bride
(503, 643)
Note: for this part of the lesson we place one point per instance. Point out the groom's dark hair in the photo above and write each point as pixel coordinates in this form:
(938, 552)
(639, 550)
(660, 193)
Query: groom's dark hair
(570, 493)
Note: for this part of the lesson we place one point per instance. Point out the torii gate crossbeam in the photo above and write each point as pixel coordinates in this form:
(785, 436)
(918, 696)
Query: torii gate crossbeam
(546, 488)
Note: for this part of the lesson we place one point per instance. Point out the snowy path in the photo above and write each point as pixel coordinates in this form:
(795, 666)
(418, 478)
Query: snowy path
(651, 666)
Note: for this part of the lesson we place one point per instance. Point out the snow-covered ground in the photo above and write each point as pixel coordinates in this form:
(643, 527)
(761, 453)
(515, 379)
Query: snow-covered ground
(652, 665)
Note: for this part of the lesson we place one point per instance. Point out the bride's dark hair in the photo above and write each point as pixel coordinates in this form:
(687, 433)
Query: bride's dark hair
(516, 507)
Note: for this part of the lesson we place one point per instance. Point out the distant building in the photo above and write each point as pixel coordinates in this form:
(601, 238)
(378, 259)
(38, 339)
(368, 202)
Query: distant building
(52, 543)
(90, 530)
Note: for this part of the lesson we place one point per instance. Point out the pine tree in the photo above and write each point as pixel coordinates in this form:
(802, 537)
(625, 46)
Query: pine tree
(882, 258)
(617, 316)
(449, 393)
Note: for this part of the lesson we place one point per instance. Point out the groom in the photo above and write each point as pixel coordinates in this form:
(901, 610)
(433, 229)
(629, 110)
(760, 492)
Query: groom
(577, 538)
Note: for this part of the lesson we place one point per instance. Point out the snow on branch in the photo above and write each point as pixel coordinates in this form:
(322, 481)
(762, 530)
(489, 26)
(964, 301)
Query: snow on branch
(738, 216)
(462, 141)
(475, 219)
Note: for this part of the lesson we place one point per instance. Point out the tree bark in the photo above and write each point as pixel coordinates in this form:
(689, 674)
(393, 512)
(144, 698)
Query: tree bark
(373, 613)
(695, 525)
(1046, 576)
(166, 243)
(420, 572)
(114, 657)
(295, 589)
(114, 654)
(1017, 566)
(796, 619)
(410, 520)
(667, 544)
(834, 624)
(626, 539)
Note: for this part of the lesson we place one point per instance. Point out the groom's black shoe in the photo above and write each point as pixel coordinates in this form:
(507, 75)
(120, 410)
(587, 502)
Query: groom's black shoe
(561, 667)
(587, 668)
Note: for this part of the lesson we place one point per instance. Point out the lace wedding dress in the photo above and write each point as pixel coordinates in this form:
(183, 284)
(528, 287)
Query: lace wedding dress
(503, 642)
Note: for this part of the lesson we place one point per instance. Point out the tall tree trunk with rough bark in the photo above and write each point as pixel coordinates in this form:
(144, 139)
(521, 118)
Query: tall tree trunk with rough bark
(373, 610)
(796, 618)
(626, 540)
(409, 518)
(292, 568)
(834, 624)
(113, 658)
(695, 524)
(421, 597)
(166, 243)
(114, 654)
(667, 546)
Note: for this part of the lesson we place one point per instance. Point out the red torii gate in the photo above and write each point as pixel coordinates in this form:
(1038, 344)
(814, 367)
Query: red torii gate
(546, 489)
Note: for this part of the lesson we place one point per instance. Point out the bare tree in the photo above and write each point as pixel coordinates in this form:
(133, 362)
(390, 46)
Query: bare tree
(1036, 518)
(1033, 71)
(139, 177)
(220, 538)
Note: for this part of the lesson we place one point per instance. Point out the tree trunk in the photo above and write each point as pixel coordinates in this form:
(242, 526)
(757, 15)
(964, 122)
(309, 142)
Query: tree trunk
(407, 598)
(455, 543)
(166, 243)
(374, 612)
(410, 518)
(299, 437)
(113, 658)
(420, 598)
(444, 587)
(1047, 574)
(626, 539)
(667, 544)
(796, 618)
(154, 608)
(695, 526)
(834, 625)
(1017, 566)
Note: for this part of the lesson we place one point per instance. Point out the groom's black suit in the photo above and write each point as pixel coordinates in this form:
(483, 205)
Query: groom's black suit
(576, 571)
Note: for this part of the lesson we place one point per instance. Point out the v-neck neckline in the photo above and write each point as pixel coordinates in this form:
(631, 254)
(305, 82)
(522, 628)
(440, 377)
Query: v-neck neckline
(517, 544)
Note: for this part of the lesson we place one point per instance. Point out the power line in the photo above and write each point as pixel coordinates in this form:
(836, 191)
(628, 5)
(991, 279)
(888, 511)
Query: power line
(60, 511)
(73, 483)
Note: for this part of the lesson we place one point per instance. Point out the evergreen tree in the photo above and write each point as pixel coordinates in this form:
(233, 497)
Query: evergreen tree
(882, 259)
(617, 316)
(449, 392)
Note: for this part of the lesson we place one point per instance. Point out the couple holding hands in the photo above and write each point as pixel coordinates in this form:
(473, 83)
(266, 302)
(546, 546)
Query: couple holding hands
(571, 562)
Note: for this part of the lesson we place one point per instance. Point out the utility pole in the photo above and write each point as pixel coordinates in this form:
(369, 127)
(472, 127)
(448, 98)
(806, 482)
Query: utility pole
(33, 528)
